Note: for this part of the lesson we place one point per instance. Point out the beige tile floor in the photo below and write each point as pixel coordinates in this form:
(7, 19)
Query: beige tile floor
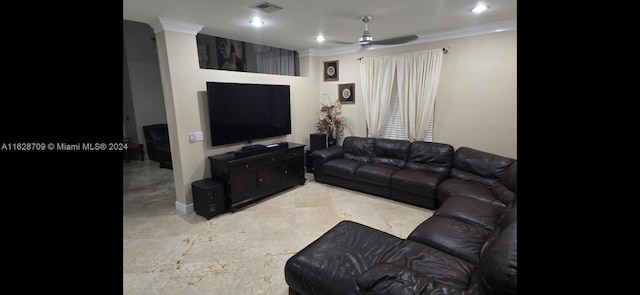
(166, 252)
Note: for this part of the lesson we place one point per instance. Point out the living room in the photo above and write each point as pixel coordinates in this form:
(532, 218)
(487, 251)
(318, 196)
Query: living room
(476, 104)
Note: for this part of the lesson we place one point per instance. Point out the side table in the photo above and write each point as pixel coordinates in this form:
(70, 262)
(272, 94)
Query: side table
(133, 148)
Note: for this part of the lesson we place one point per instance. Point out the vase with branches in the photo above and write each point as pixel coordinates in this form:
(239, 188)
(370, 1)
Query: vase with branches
(331, 120)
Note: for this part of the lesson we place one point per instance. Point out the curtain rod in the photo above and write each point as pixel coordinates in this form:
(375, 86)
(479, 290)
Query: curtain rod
(444, 49)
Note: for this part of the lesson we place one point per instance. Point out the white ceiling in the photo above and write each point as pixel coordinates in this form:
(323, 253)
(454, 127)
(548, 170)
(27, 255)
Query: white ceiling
(296, 25)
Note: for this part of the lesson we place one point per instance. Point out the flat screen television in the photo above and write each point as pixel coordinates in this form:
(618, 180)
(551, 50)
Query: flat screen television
(243, 112)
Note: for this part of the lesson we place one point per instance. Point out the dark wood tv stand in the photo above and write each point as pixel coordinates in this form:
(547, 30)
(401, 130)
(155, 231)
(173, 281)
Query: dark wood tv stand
(256, 177)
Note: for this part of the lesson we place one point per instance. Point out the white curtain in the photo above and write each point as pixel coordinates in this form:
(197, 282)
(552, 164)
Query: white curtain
(376, 74)
(271, 60)
(418, 77)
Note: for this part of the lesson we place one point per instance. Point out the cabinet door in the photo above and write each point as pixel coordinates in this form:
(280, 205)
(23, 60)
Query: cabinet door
(270, 176)
(243, 185)
(294, 169)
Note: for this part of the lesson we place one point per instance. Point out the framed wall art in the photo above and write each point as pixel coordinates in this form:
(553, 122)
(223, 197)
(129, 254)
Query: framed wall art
(346, 93)
(230, 54)
(330, 70)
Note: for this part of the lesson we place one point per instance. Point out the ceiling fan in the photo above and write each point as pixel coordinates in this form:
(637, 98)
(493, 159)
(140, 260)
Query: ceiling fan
(367, 40)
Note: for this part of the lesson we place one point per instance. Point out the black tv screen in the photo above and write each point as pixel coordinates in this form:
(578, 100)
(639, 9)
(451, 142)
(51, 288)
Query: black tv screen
(242, 112)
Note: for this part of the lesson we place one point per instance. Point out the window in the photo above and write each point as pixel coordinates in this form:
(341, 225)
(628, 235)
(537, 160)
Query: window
(393, 125)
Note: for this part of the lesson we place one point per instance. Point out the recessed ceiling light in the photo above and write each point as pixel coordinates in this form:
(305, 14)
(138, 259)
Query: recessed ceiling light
(320, 38)
(479, 8)
(256, 22)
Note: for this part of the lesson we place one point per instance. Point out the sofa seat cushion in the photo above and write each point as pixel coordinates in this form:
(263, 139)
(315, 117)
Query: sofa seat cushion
(416, 181)
(332, 263)
(471, 211)
(458, 187)
(393, 279)
(431, 262)
(453, 236)
(378, 174)
(342, 168)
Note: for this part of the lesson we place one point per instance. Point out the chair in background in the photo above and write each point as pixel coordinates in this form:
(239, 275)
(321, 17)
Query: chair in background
(156, 138)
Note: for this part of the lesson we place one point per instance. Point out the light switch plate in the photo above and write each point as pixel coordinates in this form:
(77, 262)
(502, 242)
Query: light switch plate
(192, 136)
(199, 136)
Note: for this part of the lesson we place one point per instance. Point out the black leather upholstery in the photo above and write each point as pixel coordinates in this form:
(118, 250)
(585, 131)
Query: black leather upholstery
(156, 137)
(499, 257)
(468, 246)
(444, 255)
(456, 237)
(430, 157)
(391, 152)
(358, 149)
(333, 263)
(378, 174)
(397, 169)
(480, 175)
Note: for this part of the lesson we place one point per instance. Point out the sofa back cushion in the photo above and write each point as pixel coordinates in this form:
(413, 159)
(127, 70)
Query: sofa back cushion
(358, 148)
(510, 214)
(430, 157)
(479, 166)
(391, 151)
(510, 177)
(507, 188)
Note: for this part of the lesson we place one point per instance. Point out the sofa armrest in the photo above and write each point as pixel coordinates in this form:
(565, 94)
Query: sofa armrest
(502, 193)
(322, 156)
(393, 279)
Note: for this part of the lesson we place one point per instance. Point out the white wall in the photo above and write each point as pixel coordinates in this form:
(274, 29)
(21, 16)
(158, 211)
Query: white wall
(476, 102)
(184, 86)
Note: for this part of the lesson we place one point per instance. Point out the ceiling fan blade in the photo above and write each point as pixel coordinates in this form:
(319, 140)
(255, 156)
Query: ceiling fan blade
(397, 40)
(340, 42)
(364, 48)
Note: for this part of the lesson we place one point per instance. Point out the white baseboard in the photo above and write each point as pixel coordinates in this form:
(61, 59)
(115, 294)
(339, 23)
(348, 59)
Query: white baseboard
(184, 209)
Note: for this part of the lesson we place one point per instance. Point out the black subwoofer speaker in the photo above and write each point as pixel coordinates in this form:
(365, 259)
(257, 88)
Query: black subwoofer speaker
(318, 141)
(208, 197)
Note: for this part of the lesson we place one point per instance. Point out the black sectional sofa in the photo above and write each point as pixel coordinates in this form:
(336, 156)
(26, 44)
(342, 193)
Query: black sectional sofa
(395, 169)
(468, 246)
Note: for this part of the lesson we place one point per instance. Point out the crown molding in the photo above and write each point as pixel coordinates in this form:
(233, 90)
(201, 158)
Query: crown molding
(331, 51)
(422, 38)
(468, 31)
(163, 24)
